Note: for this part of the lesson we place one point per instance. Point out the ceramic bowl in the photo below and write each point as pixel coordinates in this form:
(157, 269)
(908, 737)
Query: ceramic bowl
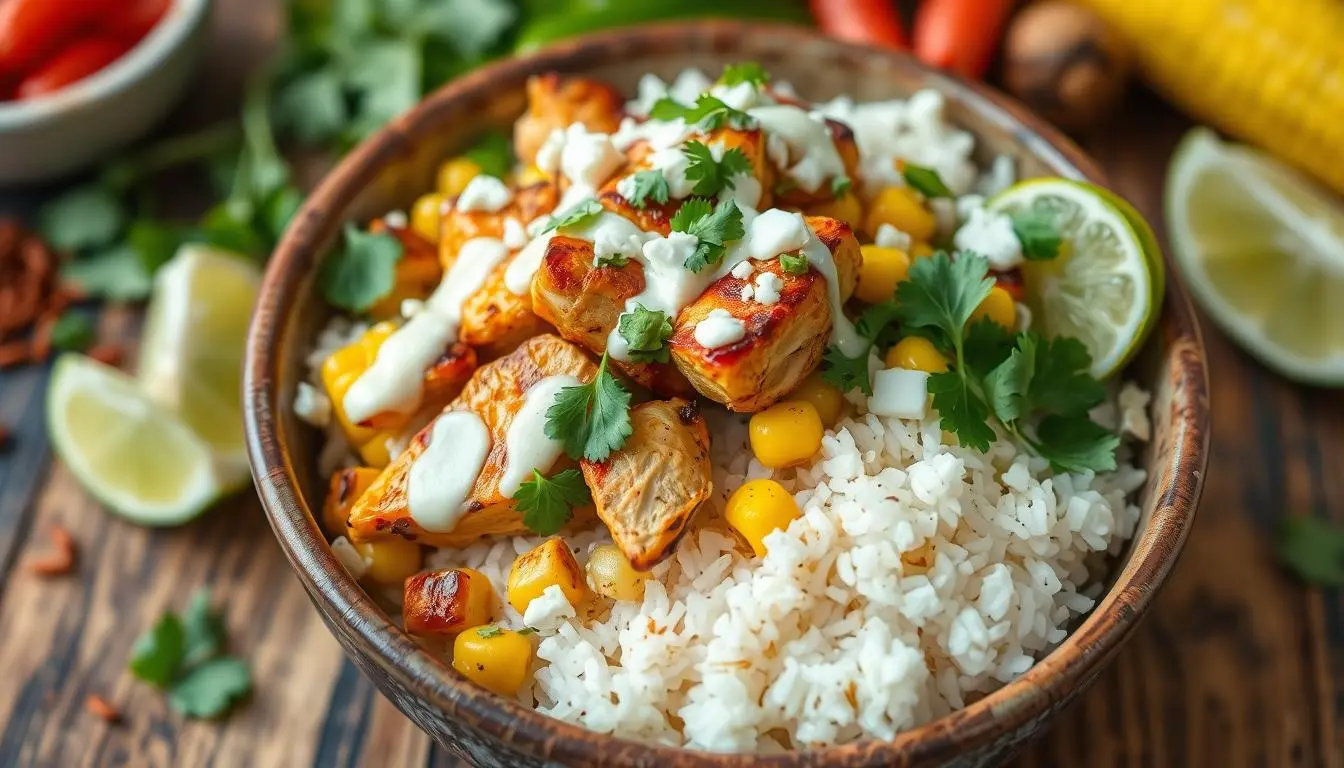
(390, 169)
(59, 134)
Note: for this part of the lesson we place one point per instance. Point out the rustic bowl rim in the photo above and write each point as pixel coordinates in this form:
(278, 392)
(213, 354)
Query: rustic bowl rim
(1073, 664)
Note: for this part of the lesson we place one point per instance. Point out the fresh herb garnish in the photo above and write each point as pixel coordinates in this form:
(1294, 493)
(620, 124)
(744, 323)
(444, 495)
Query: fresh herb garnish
(646, 332)
(611, 260)
(1038, 234)
(73, 332)
(714, 228)
(1313, 549)
(793, 263)
(592, 419)
(926, 181)
(86, 217)
(840, 186)
(708, 114)
(363, 271)
(116, 274)
(182, 657)
(548, 503)
(713, 176)
(493, 154)
(744, 72)
(493, 630)
(580, 214)
(844, 372)
(646, 186)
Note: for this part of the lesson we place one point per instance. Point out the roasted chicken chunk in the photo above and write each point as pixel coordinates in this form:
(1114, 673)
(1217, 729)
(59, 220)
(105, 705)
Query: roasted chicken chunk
(555, 103)
(787, 193)
(495, 393)
(648, 491)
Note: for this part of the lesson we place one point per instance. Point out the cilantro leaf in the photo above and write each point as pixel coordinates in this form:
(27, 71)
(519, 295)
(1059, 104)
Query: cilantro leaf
(793, 263)
(157, 654)
(1007, 385)
(713, 176)
(84, 218)
(547, 504)
(580, 214)
(204, 629)
(646, 332)
(1063, 381)
(690, 211)
(844, 372)
(926, 181)
(942, 294)
(960, 410)
(155, 243)
(592, 419)
(492, 630)
(493, 154)
(1038, 234)
(1075, 444)
(115, 274)
(840, 186)
(744, 72)
(73, 332)
(211, 687)
(714, 230)
(1313, 549)
(364, 271)
(986, 346)
(877, 319)
(312, 106)
(611, 260)
(708, 114)
(649, 185)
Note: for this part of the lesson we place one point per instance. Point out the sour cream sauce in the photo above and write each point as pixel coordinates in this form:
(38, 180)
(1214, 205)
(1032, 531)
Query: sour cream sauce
(442, 477)
(526, 446)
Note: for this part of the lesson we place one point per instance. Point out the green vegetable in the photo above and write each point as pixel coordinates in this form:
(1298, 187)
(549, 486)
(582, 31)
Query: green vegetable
(592, 419)
(646, 333)
(846, 373)
(73, 332)
(1037, 232)
(613, 260)
(183, 657)
(708, 114)
(649, 185)
(493, 154)
(713, 176)
(494, 630)
(840, 186)
(926, 181)
(714, 229)
(744, 72)
(1312, 548)
(361, 273)
(547, 504)
(86, 217)
(793, 263)
(116, 274)
(580, 214)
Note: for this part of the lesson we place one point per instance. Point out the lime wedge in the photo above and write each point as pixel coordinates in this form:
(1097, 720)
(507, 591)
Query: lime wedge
(136, 457)
(1262, 249)
(191, 358)
(1101, 290)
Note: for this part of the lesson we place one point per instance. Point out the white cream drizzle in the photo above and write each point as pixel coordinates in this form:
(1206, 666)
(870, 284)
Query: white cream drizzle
(719, 329)
(607, 226)
(809, 138)
(526, 446)
(394, 382)
(442, 477)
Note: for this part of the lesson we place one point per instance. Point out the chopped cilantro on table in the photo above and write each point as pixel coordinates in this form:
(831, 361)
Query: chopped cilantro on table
(183, 656)
(362, 272)
(714, 227)
(714, 176)
(744, 72)
(646, 333)
(548, 503)
(1313, 549)
(1036, 230)
(649, 185)
(592, 420)
(926, 181)
(793, 263)
(580, 214)
(708, 114)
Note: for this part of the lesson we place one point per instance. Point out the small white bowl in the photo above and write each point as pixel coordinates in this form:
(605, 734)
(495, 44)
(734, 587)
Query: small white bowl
(56, 135)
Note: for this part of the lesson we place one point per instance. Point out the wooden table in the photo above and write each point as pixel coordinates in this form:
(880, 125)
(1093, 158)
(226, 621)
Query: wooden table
(1237, 664)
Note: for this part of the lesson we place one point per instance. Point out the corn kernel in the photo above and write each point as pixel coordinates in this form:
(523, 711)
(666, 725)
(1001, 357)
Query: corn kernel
(759, 507)
(999, 307)
(455, 174)
(879, 272)
(550, 563)
(339, 372)
(786, 434)
(847, 208)
(391, 561)
(494, 658)
(902, 208)
(531, 175)
(611, 575)
(426, 215)
(347, 485)
(445, 602)
(828, 400)
(916, 354)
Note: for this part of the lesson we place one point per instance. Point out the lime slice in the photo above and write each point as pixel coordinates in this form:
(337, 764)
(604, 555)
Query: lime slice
(191, 358)
(1262, 249)
(139, 459)
(1101, 290)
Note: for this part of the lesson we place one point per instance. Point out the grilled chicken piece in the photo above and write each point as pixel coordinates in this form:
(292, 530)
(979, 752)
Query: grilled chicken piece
(584, 302)
(648, 491)
(496, 394)
(554, 102)
(790, 196)
(784, 342)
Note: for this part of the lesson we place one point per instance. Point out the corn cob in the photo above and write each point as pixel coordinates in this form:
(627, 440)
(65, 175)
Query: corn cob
(1268, 72)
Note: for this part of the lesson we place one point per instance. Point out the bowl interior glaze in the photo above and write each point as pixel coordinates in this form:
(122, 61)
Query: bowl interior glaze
(392, 168)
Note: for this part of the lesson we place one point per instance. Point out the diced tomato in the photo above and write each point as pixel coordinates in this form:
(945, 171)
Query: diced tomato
(133, 21)
(960, 35)
(71, 64)
(31, 30)
(1011, 281)
(871, 22)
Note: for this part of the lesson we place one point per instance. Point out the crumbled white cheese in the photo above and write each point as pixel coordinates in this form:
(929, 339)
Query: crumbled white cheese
(312, 405)
(349, 557)
(967, 204)
(1133, 403)
(768, 286)
(744, 95)
(719, 329)
(746, 191)
(548, 610)
(411, 307)
(891, 237)
(673, 163)
(990, 235)
(588, 158)
(610, 244)
(775, 232)
(396, 219)
(1002, 174)
(671, 251)
(548, 155)
(746, 293)
(515, 234)
(484, 193)
(900, 392)
(742, 270)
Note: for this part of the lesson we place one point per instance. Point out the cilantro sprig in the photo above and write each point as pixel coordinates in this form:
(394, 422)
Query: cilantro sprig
(646, 332)
(548, 503)
(714, 176)
(648, 185)
(744, 72)
(592, 420)
(708, 114)
(581, 213)
(1313, 548)
(362, 272)
(926, 181)
(183, 656)
(714, 227)
(793, 263)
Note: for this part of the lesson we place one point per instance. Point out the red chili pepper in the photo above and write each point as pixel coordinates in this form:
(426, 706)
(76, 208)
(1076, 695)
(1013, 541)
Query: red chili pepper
(870, 22)
(31, 30)
(960, 35)
(72, 64)
(132, 22)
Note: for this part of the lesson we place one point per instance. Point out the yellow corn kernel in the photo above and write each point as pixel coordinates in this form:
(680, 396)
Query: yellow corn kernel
(494, 658)
(347, 485)
(549, 564)
(759, 507)
(532, 175)
(426, 215)
(391, 561)
(829, 401)
(920, 250)
(916, 354)
(447, 601)
(455, 174)
(786, 433)
(999, 307)
(611, 575)
(902, 208)
(879, 272)
(847, 208)
(342, 368)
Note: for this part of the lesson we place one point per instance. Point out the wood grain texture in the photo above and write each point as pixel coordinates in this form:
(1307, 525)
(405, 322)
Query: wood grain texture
(1237, 664)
